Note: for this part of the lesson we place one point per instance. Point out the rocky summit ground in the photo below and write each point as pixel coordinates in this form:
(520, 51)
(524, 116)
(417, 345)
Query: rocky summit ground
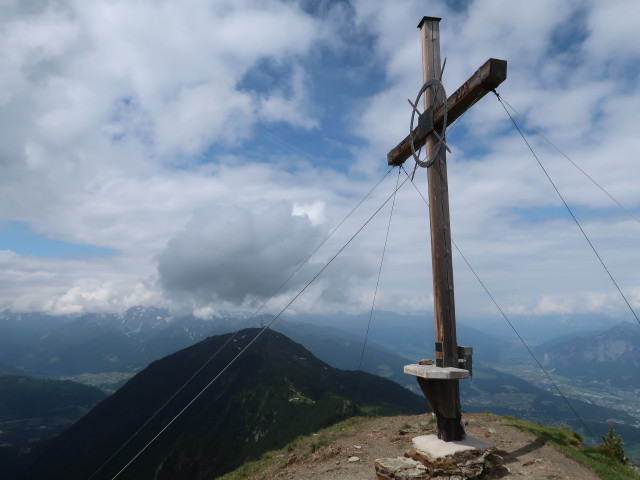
(348, 452)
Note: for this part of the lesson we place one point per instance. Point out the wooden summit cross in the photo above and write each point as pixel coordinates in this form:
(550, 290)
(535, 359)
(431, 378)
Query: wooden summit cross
(440, 382)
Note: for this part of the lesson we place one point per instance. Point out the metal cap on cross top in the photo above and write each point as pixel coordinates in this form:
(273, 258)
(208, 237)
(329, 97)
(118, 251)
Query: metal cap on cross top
(428, 19)
(440, 382)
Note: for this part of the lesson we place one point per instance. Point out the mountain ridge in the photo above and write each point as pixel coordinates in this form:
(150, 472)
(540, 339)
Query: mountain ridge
(613, 354)
(276, 391)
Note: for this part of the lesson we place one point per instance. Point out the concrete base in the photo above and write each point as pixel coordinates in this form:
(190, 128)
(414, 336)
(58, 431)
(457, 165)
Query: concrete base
(459, 460)
(436, 447)
(435, 373)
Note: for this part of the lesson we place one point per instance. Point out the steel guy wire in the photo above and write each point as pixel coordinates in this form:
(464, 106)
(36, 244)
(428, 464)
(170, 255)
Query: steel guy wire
(262, 330)
(375, 294)
(631, 214)
(569, 210)
(299, 151)
(215, 354)
(504, 315)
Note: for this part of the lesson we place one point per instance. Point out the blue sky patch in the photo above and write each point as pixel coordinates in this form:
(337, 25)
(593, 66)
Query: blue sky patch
(19, 238)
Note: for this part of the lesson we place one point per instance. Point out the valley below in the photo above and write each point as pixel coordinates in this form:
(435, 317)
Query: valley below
(600, 393)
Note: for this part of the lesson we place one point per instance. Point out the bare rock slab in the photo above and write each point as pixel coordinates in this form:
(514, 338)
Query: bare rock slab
(400, 468)
(459, 460)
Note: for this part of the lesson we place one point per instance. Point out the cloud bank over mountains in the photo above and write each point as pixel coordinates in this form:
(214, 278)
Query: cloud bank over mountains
(234, 255)
(210, 146)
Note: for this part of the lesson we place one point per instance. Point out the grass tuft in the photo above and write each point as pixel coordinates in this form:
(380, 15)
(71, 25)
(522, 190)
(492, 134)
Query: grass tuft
(600, 458)
(301, 447)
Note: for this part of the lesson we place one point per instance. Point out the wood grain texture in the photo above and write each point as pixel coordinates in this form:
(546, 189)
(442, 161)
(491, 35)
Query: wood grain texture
(491, 74)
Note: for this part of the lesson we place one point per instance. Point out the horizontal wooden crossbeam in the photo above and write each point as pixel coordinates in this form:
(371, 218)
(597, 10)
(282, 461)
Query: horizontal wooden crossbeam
(486, 78)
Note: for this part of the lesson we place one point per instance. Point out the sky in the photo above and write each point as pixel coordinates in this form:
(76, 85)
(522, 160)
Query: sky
(191, 154)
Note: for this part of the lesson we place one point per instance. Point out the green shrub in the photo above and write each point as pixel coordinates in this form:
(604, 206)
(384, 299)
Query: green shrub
(615, 445)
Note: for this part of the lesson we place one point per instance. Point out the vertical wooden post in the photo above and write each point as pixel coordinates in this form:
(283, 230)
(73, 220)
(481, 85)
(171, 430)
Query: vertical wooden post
(442, 266)
(440, 383)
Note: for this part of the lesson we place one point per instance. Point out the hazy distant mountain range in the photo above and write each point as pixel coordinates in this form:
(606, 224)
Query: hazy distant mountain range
(60, 346)
(105, 349)
(95, 343)
(612, 355)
